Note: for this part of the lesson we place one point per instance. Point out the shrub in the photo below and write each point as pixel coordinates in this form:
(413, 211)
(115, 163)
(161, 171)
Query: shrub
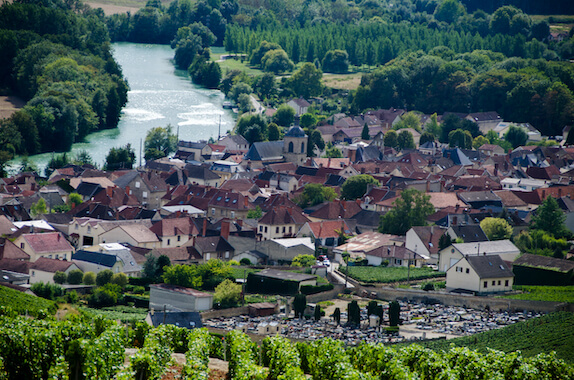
(60, 277)
(75, 277)
(89, 278)
(120, 279)
(245, 261)
(104, 277)
(312, 289)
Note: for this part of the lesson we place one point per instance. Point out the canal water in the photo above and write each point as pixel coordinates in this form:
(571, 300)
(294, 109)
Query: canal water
(159, 95)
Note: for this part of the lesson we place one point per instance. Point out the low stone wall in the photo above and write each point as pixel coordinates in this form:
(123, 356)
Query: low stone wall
(325, 296)
(475, 302)
(226, 313)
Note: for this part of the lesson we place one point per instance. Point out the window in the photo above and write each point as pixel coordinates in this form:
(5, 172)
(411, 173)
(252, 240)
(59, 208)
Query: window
(265, 229)
(499, 282)
(283, 229)
(493, 283)
(485, 285)
(290, 229)
(22, 245)
(467, 270)
(137, 184)
(89, 229)
(226, 254)
(276, 230)
(57, 257)
(168, 241)
(33, 273)
(212, 211)
(76, 226)
(260, 228)
(398, 261)
(232, 214)
(505, 282)
(303, 147)
(145, 194)
(178, 238)
(290, 150)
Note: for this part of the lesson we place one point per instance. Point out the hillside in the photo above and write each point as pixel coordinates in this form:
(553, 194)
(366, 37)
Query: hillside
(552, 332)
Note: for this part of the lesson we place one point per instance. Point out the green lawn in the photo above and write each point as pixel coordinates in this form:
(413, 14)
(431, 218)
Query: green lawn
(544, 293)
(122, 313)
(232, 64)
(389, 274)
(551, 332)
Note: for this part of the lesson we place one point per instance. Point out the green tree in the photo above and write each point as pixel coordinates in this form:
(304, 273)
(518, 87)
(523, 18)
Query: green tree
(255, 213)
(433, 126)
(83, 158)
(187, 276)
(265, 86)
(303, 261)
(460, 138)
(89, 278)
(496, 228)
(276, 61)
(253, 127)
(75, 277)
(244, 103)
(159, 142)
(409, 120)
(394, 313)
(317, 315)
(163, 261)
(38, 208)
(337, 315)
(260, 52)
(314, 194)
(306, 81)
(365, 132)
(227, 294)
(336, 61)
(308, 120)
(333, 152)
(284, 116)
(449, 11)
(60, 277)
(104, 277)
(516, 136)
(405, 140)
(120, 158)
(299, 305)
(391, 139)
(426, 137)
(444, 241)
(274, 132)
(119, 279)
(238, 89)
(479, 141)
(356, 186)
(353, 313)
(550, 218)
(410, 209)
(315, 140)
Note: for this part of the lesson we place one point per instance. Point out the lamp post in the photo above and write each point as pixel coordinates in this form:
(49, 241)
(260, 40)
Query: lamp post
(345, 256)
(409, 266)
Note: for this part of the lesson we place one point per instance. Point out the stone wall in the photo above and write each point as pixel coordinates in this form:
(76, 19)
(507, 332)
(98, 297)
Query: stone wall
(475, 302)
(226, 313)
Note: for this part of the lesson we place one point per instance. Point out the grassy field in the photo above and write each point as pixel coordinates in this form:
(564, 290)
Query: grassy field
(390, 274)
(552, 332)
(558, 23)
(544, 293)
(342, 81)
(23, 303)
(121, 313)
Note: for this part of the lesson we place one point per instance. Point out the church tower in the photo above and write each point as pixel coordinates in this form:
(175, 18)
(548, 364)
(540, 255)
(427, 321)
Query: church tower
(295, 145)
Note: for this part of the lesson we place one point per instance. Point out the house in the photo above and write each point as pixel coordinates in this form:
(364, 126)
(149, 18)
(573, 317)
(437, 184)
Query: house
(212, 247)
(127, 261)
(265, 152)
(541, 270)
(335, 210)
(491, 150)
(200, 175)
(300, 105)
(174, 232)
(470, 233)
(453, 253)
(280, 222)
(234, 143)
(147, 187)
(10, 251)
(51, 245)
(283, 251)
(533, 134)
(228, 204)
(193, 151)
(43, 269)
(360, 245)
(88, 231)
(485, 120)
(136, 234)
(96, 262)
(325, 234)
(177, 298)
(226, 169)
(480, 274)
(278, 281)
(395, 256)
(522, 184)
(424, 241)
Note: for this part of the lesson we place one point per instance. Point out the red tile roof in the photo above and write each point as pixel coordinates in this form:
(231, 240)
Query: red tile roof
(51, 265)
(337, 209)
(329, 228)
(47, 242)
(283, 215)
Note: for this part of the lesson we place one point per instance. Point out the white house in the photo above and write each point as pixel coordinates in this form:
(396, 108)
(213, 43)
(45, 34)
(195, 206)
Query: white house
(178, 298)
(522, 184)
(453, 253)
(43, 269)
(300, 105)
(480, 274)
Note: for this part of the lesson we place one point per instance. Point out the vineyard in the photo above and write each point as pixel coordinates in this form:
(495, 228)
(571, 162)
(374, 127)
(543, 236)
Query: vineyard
(22, 303)
(552, 332)
(544, 293)
(95, 349)
(390, 274)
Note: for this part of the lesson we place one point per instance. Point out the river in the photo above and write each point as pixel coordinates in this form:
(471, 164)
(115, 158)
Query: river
(159, 95)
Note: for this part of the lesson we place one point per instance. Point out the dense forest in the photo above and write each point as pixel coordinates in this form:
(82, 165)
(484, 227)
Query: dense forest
(56, 56)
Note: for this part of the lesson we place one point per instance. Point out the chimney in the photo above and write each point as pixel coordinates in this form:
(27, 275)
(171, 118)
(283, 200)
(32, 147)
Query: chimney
(239, 222)
(246, 201)
(559, 192)
(204, 230)
(427, 187)
(59, 237)
(128, 191)
(225, 227)
(454, 220)
(109, 192)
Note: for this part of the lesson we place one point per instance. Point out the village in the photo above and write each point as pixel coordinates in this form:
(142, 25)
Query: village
(267, 204)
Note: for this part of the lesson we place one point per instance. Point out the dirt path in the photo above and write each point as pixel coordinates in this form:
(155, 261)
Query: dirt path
(9, 105)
